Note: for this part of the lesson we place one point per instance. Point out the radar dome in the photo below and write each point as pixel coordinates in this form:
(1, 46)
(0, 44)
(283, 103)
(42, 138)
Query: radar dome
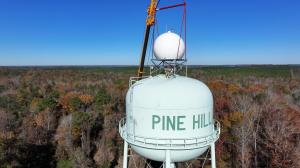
(169, 46)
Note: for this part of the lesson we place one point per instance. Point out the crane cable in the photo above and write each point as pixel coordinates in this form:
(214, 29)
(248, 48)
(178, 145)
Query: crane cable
(150, 21)
(183, 26)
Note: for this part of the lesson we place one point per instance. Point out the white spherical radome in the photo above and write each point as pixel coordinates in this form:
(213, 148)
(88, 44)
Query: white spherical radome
(169, 46)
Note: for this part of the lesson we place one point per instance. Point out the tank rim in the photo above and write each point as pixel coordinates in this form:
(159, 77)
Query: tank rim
(169, 144)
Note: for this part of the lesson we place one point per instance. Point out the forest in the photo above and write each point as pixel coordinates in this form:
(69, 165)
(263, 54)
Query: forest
(67, 117)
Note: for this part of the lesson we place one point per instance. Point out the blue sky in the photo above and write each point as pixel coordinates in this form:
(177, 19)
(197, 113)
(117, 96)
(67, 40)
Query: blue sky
(94, 32)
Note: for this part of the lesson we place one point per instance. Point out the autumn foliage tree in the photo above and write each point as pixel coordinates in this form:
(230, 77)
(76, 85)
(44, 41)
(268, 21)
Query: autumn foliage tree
(68, 116)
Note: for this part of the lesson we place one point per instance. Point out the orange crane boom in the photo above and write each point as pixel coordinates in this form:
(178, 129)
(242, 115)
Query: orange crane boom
(149, 22)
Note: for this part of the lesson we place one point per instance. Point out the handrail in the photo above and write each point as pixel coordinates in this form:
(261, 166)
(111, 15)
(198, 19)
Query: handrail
(134, 79)
(168, 143)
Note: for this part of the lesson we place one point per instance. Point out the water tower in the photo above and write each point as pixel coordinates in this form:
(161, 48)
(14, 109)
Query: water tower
(169, 118)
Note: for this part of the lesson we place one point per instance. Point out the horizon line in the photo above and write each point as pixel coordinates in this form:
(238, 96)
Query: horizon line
(116, 65)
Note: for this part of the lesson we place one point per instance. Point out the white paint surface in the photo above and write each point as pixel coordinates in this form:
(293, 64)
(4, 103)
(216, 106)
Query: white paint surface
(169, 46)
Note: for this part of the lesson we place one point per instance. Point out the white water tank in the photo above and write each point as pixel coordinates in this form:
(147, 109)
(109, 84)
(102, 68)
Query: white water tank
(169, 46)
(169, 113)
